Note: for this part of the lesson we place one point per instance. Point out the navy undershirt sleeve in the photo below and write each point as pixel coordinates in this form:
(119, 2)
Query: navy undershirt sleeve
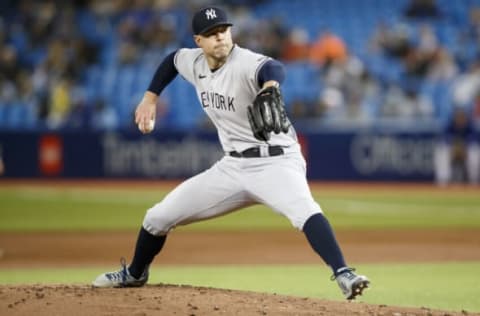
(165, 73)
(271, 70)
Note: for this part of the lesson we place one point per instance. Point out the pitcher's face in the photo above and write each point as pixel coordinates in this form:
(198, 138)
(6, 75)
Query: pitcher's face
(216, 43)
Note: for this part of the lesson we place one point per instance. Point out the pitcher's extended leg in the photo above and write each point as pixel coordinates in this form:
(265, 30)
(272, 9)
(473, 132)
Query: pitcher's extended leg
(146, 248)
(212, 193)
(320, 235)
(293, 199)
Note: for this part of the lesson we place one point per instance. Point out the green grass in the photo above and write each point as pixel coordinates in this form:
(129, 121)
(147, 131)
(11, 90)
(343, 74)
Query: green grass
(447, 286)
(450, 286)
(78, 208)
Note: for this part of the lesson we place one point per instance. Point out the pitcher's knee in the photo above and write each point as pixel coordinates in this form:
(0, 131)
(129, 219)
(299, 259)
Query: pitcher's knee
(298, 220)
(157, 221)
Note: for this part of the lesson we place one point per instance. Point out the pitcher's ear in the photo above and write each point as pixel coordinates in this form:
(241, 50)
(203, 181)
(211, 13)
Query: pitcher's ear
(197, 39)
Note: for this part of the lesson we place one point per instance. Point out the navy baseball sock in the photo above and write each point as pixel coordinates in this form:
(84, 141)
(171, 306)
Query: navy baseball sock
(322, 239)
(147, 247)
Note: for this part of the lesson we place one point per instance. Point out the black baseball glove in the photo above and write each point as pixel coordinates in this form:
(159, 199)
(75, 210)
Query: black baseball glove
(267, 114)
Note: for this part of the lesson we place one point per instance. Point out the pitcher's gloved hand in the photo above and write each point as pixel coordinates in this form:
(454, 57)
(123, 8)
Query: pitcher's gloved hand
(267, 114)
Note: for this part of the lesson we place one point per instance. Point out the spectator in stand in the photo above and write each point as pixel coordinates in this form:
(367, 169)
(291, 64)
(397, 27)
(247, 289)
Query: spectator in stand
(407, 104)
(457, 156)
(328, 49)
(269, 41)
(129, 41)
(443, 67)
(422, 9)
(58, 60)
(9, 69)
(420, 56)
(476, 111)
(467, 86)
(467, 48)
(296, 47)
(347, 90)
(473, 29)
(9, 72)
(272, 36)
(331, 103)
(40, 86)
(416, 64)
(60, 103)
(427, 40)
(9, 65)
(392, 40)
(158, 35)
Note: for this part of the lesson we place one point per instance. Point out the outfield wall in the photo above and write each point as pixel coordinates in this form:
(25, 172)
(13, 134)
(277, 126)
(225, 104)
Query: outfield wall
(166, 155)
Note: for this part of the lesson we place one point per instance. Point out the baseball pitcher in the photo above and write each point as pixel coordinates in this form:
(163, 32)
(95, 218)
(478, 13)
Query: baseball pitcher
(239, 90)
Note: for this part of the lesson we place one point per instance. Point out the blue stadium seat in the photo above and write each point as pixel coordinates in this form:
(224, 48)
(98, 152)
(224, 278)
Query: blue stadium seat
(355, 21)
(17, 115)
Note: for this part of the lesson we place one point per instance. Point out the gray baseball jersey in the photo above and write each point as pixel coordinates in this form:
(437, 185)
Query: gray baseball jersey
(233, 183)
(226, 93)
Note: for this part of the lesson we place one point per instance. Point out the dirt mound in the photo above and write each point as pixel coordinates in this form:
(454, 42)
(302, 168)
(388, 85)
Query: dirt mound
(164, 299)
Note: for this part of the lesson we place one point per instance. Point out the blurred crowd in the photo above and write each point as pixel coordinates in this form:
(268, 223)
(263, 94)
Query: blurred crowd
(47, 46)
(421, 78)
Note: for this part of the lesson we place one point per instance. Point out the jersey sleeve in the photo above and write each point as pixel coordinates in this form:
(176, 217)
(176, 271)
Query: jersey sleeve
(271, 70)
(250, 66)
(165, 73)
(184, 61)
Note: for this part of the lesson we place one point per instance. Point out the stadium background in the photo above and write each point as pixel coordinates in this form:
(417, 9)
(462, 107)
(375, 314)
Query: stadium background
(371, 85)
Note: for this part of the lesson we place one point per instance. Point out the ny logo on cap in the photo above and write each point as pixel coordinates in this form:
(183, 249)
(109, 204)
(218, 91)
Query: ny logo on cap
(211, 14)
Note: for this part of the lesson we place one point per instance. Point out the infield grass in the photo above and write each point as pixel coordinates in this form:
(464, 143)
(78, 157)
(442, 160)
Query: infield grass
(44, 208)
(447, 286)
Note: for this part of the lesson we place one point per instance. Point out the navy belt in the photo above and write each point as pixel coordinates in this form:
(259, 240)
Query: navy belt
(254, 152)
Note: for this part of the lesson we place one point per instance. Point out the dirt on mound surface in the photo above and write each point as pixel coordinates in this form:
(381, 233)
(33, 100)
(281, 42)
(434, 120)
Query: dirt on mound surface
(161, 299)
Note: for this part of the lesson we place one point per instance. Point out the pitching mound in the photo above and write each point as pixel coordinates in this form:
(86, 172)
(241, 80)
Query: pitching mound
(161, 299)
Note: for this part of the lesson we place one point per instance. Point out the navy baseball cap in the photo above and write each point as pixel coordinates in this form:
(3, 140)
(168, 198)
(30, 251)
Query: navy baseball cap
(208, 18)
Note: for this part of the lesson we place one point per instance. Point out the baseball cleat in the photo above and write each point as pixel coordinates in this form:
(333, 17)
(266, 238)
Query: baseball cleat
(351, 284)
(120, 278)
